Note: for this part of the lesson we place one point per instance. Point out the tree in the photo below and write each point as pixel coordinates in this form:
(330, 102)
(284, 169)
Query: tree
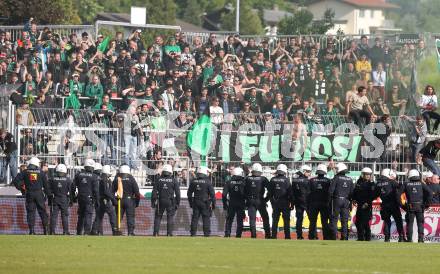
(87, 10)
(301, 22)
(250, 22)
(44, 11)
(298, 23)
(193, 12)
(324, 25)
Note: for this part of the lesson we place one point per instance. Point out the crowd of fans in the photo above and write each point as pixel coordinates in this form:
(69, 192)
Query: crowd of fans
(301, 80)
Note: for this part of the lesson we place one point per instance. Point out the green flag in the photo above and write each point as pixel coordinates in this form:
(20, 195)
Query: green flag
(103, 46)
(199, 138)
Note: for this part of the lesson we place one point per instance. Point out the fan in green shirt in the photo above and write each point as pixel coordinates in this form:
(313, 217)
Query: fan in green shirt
(105, 101)
(95, 90)
(76, 88)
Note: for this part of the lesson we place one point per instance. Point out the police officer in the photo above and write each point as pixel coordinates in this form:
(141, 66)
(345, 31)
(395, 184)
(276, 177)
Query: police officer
(432, 181)
(165, 197)
(280, 195)
(318, 203)
(201, 198)
(97, 170)
(59, 198)
(130, 196)
(107, 202)
(255, 187)
(301, 189)
(33, 183)
(88, 193)
(364, 194)
(418, 196)
(234, 202)
(340, 194)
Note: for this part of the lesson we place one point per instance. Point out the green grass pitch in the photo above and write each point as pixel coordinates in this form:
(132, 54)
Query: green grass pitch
(60, 254)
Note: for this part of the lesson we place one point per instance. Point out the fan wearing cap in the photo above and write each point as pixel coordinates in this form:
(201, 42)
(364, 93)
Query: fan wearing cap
(388, 190)
(340, 195)
(88, 194)
(165, 197)
(33, 183)
(418, 197)
(364, 194)
(107, 201)
(234, 201)
(201, 198)
(318, 203)
(130, 197)
(59, 198)
(255, 187)
(280, 195)
(301, 190)
(432, 181)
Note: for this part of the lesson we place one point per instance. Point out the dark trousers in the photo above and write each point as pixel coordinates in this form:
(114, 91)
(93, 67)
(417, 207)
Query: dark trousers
(358, 114)
(85, 214)
(252, 212)
(201, 209)
(313, 218)
(171, 211)
(128, 208)
(35, 202)
(363, 217)
(340, 211)
(299, 214)
(416, 212)
(104, 208)
(386, 212)
(428, 115)
(231, 213)
(286, 219)
(57, 207)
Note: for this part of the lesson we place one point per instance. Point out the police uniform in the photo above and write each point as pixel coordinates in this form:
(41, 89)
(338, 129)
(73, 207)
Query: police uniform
(33, 182)
(364, 194)
(280, 195)
(319, 204)
(340, 194)
(88, 193)
(59, 199)
(201, 198)
(389, 193)
(301, 189)
(106, 205)
(234, 203)
(418, 196)
(130, 199)
(255, 186)
(435, 191)
(165, 197)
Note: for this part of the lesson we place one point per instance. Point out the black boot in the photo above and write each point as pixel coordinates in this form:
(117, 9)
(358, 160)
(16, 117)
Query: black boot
(31, 232)
(401, 239)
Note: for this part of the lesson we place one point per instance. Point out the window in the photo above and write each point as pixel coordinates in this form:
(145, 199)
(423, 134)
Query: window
(372, 13)
(361, 13)
(361, 31)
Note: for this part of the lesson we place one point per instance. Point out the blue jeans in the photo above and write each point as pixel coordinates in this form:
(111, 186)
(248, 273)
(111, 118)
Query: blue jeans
(432, 166)
(109, 142)
(12, 163)
(130, 150)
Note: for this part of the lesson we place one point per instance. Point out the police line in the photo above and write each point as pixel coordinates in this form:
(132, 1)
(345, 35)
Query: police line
(13, 221)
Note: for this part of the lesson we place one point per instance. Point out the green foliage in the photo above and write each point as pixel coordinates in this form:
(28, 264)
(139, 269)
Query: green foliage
(87, 10)
(193, 12)
(416, 16)
(301, 22)
(44, 11)
(428, 73)
(250, 22)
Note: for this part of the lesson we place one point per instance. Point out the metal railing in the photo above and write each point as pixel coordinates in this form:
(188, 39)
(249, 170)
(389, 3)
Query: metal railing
(62, 30)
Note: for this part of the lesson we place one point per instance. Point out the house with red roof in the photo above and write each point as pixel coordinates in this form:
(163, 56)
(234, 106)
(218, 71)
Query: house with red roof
(357, 16)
